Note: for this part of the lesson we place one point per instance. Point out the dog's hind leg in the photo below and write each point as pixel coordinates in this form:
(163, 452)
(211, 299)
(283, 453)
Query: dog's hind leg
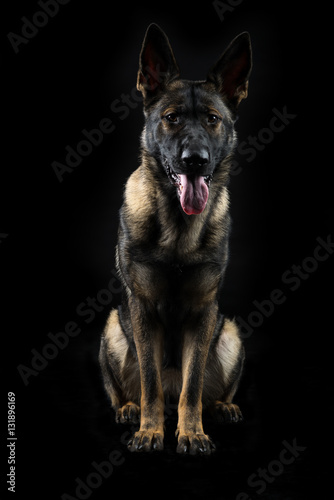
(222, 374)
(120, 372)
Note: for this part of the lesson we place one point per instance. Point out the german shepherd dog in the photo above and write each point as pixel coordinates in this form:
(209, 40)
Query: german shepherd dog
(169, 337)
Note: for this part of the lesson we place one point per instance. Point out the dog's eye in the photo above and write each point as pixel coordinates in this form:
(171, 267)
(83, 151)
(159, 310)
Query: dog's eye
(172, 117)
(213, 118)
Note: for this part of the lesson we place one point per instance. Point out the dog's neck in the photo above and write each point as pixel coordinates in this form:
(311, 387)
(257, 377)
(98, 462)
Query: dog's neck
(182, 234)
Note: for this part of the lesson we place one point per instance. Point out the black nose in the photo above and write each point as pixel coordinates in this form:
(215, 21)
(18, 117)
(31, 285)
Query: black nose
(195, 158)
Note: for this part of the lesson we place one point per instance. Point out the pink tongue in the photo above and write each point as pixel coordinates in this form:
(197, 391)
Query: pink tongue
(194, 194)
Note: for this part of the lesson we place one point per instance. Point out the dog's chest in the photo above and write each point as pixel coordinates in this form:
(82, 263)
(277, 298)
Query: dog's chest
(180, 241)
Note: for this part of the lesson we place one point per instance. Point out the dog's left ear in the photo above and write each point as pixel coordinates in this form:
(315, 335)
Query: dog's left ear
(231, 73)
(157, 65)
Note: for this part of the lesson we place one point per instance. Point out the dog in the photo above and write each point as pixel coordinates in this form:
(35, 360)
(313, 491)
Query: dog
(169, 336)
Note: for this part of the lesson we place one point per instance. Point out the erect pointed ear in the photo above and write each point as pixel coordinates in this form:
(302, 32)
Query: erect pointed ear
(231, 73)
(157, 65)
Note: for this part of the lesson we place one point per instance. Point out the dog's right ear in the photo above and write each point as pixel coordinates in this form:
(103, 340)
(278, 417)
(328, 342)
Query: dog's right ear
(157, 65)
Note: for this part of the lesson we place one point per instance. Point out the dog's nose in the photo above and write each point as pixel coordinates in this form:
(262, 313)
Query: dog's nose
(195, 158)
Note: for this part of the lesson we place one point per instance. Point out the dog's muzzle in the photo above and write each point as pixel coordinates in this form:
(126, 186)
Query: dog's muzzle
(192, 185)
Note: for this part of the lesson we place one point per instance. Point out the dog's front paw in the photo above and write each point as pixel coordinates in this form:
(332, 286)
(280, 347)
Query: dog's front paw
(128, 414)
(228, 412)
(195, 444)
(148, 440)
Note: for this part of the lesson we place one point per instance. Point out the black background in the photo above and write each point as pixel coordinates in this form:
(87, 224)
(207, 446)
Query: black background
(58, 239)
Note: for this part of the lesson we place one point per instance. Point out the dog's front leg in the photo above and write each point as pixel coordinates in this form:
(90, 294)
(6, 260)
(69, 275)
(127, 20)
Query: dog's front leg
(197, 337)
(148, 338)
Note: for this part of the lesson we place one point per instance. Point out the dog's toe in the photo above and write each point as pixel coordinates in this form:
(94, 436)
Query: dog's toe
(195, 444)
(146, 441)
(128, 414)
(228, 412)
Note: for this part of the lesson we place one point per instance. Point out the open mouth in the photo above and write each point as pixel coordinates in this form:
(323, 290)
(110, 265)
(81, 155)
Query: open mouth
(193, 190)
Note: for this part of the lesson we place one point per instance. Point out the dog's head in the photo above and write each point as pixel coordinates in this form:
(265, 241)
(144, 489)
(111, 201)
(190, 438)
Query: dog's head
(190, 124)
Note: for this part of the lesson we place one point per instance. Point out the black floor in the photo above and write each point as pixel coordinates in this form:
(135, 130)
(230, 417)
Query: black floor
(57, 244)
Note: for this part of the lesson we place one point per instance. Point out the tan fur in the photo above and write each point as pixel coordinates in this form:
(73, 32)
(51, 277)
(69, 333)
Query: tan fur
(117, 343)
(228, 348)
(220, 363)
(139, 201)
(172, 253)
